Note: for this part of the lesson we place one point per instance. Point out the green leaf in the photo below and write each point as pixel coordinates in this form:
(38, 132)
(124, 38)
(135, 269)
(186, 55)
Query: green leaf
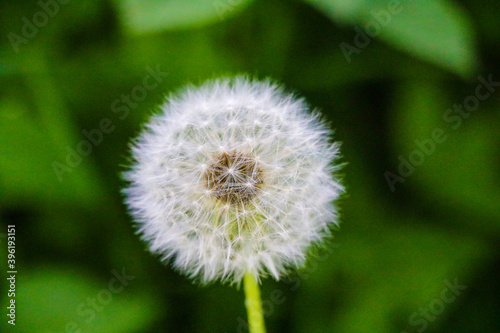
(64, 300)
(143, 16)
(435, 31)
(460, 173)
(27, 164)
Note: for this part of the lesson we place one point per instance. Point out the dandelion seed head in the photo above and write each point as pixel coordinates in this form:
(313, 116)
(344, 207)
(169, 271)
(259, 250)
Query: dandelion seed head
(231, 177)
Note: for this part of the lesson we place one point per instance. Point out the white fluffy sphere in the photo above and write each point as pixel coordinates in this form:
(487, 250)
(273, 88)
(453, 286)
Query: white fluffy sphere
(233, 176)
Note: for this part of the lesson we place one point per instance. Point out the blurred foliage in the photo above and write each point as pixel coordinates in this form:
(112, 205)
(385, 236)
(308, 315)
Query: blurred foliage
(394, 250)
(437, 31)
(156, 15)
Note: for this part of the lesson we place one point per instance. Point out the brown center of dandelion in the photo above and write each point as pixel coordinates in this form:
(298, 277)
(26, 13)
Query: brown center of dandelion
(233, 177)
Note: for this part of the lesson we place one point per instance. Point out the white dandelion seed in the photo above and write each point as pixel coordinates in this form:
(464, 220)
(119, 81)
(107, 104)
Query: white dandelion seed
(234, 177)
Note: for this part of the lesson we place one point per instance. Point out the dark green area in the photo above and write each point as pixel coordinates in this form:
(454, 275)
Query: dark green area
(388, 101)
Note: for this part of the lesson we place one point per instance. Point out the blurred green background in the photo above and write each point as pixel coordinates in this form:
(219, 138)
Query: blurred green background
(386, 74)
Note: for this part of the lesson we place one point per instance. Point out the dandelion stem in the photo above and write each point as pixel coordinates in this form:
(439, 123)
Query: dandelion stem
(253, 305)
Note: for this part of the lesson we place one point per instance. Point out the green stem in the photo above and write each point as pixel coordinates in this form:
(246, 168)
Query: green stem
(253, 304)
